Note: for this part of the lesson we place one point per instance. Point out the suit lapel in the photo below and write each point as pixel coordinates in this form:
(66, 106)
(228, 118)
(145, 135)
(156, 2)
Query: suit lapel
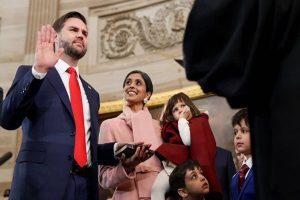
(89, 94)
(94, 119)
(55, 80)
(235, 190)
(250, 174)
(92, 104)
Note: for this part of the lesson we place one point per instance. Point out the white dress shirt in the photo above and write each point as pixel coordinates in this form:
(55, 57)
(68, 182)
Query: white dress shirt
(249, 163)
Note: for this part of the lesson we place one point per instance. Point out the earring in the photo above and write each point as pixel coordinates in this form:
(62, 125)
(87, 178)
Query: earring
(145, 100)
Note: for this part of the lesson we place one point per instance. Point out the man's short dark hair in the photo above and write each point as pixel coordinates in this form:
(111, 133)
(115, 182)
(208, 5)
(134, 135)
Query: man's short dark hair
(60, 22)
(177, 177)
(239, 116)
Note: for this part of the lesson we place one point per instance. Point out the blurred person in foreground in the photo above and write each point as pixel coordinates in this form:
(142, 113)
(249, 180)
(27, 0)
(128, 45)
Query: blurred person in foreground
(248, 51)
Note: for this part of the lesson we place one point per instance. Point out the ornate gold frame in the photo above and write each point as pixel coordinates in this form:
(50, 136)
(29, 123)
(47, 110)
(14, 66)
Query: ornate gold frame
(194, 92)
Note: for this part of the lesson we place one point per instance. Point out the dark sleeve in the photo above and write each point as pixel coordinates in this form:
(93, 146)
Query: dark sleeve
(105, 154)
(1, 94)
(230, 46)
(231, 167)
(230, 170)
(1, 98)
(19, 99)
(213, 48)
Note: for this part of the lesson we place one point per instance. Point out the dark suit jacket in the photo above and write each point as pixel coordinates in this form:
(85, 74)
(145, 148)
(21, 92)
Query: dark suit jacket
(247, 191)
(225, 169)
(248, 52)
(43, 109)
(1, 94)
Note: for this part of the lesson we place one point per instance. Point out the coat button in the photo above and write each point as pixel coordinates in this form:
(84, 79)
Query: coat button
(70, 157)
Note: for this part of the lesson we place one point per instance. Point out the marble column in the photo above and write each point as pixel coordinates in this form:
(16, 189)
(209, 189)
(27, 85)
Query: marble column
(40, 12)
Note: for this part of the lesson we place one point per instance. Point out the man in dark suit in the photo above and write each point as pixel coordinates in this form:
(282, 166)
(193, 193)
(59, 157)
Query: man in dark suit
(248, 52)
(39, 100)
(225, 169)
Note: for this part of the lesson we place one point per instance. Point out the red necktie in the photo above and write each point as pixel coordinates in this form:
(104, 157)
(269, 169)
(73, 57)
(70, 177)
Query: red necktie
(242, 174)
(77, 109)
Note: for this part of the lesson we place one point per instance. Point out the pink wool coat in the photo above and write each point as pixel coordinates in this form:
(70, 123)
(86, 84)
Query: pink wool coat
(127, 128)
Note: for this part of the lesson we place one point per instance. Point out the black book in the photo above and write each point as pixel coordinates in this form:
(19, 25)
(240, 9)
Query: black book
(129, 150)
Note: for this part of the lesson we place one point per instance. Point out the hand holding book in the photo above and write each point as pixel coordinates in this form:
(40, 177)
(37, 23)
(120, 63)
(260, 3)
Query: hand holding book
(129, 150)
(133, 154)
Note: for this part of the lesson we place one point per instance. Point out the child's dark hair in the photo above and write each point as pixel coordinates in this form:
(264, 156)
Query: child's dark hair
(60, 22)
(168, 114)
(239, 116)
(177, 177)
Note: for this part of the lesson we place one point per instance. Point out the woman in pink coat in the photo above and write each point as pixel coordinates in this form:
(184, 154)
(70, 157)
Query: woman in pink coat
(132, 180)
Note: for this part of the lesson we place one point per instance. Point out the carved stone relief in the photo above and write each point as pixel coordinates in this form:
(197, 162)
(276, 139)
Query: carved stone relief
(167, 27)
(120, 37)
(163, 29)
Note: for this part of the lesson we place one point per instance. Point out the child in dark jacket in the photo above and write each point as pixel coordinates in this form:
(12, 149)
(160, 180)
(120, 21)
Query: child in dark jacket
(242, 183)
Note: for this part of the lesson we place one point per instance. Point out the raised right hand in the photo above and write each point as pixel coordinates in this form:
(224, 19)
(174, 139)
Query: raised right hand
(45, 57)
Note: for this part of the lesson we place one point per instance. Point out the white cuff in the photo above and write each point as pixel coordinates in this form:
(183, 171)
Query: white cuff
(37, 75)
(115, 148)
